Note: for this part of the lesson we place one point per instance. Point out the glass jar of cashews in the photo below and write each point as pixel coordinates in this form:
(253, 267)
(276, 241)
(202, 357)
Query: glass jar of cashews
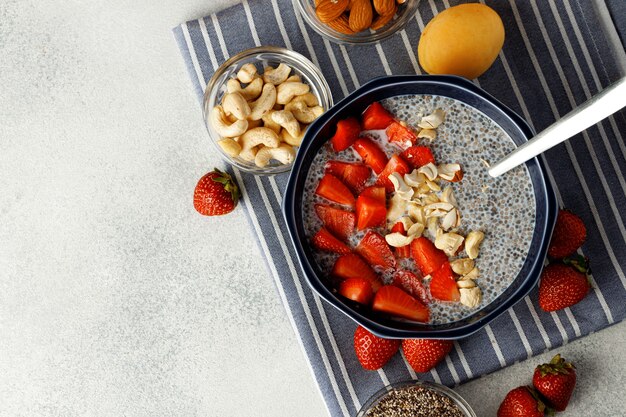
(258, 105)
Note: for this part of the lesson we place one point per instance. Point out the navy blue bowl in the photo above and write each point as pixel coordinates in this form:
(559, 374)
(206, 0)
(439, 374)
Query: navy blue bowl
(449, 86)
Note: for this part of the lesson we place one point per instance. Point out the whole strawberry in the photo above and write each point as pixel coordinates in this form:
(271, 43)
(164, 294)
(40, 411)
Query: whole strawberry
(425, 354)
(522, 402)
(216, 193)
(555, 381)
(563, 284)
(372, 351)
(569, 234)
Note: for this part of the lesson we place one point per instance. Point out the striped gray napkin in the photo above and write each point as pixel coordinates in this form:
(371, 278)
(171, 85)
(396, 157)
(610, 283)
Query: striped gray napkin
(555, 57)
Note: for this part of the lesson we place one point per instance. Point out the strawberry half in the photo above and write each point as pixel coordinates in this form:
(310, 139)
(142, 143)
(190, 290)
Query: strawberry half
(374, 248)
(410, 283)
(371, 208)
(403, 251)
(395, 164)
(569, 234)
(353, 266)
(339, 222)
(372, 155)
(392, 300)
(357, 289)
(563, 285)
(427, 257)
(354, 175)
(376, 117)
(555, 381)
(398, 133)
(373, 352)
(443, 285)
(348, 131)
(418, 156)
(522, 402)
(424, 354)
(215, 194)
(325, 241)
(331, 188)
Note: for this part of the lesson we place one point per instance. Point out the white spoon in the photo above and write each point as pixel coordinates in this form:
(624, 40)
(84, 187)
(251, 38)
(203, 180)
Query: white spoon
(607, 102)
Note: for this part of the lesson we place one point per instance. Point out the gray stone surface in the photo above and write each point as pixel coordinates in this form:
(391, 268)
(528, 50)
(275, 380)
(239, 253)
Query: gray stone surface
(115, 297)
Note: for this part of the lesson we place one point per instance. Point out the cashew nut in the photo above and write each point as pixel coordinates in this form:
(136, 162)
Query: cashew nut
(309, 98)
(263, 104)
(252, 90)
(416, 230)
(433, 120)
(287, 91)
(286, 119)
(448, 171)
(466, 283)
(403, 190)
(270, 123)
(398, 240)
(284, 154)
(470, 297)
(291, 140)
(430, 134)
(223, 127)
(462, 266)
(448, 242)
(472, 243)
(259, 136)
(276, 75)
(294, 78)
(302, 112)
(397, 207)
(429, 170)
(473, 274)
(247, 73)
(235, 104)
(230, 146)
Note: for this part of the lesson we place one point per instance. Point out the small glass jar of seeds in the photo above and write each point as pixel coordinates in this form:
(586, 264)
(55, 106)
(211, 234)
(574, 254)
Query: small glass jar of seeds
(416, 399)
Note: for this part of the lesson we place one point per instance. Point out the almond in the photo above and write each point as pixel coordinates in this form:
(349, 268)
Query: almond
(384, 7)
(329, 10)
(382, 20)
(341, 25)
(361, 15)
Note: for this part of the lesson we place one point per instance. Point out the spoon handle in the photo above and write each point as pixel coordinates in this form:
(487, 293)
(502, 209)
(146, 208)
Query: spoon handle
(607, 102)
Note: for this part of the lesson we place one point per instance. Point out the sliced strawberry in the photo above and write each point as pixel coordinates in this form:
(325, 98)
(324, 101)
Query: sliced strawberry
(348, 131)
(403, 251)
(353, 266)
(371, 209)
(427, 257)
(395, 164)
(392, 300)
(325, 241)
(396, 132)
(339, 222)
(418, 156)
(331, 188)
(376, 251)
(371, 153)
(357, 289)
(353, 175)
(443, 285)
(376, 117)
(410, 283)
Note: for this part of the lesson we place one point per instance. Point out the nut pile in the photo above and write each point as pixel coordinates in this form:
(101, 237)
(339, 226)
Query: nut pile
(421, 205)
(352, 16)
(262, 117)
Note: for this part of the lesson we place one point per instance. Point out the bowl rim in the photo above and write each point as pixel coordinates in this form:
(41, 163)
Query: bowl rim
(326, 99)
(411, 8)
(535, 265)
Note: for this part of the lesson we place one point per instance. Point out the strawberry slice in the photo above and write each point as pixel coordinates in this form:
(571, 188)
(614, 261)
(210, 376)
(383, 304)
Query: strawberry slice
(353, 175)
(325, 241)
(353, 266)
(418, 156)
(331, 188)
(376, 117)
(371, 209)
(395, 164)
(357, 289)
(348, 131)
(443, 285)
(404, 251)
(339, 222)
(427, 257)
(375, 250)
(371, 153)
(392, 300)
(396, 132)
(410, 283)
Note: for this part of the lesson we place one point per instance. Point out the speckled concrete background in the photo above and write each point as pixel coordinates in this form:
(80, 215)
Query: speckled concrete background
(115, 297)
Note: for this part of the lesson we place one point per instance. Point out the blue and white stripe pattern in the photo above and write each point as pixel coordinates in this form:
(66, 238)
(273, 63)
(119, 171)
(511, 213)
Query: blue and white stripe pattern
(556, 56)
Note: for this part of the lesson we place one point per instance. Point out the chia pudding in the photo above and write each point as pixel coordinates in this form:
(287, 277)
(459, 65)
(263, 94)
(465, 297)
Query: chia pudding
(503, 208)
(414, 401)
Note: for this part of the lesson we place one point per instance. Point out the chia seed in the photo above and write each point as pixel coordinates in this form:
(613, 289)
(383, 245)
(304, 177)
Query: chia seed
(415, 402)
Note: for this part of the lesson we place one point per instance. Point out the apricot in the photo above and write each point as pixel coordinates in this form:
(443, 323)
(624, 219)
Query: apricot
(462, 40)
